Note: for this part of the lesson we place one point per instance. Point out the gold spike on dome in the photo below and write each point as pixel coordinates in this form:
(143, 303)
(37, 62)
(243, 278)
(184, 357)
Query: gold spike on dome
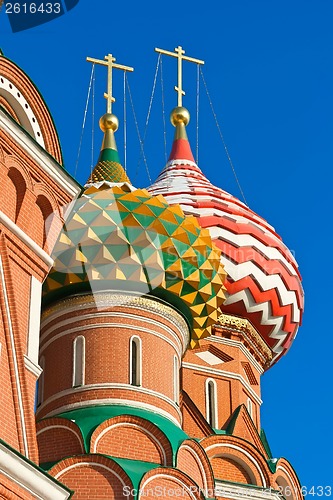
(108, 167)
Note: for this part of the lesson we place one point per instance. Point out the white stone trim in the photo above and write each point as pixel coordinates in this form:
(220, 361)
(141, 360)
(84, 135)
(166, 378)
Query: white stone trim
(215, 403)
(15, 363)
(244, 452)
(114, 402)
(34, 319)
(239, 492)
(85, 329)
(199, 462)
(137, 426)
(181, 490)
(179, 323)
(107, 385)
(76, 361)
(6, 221)
(40, 156)
(22, 109)
(32, 367)
(222, 373)
(58, 426)
(96, 464)
(295, 488)
(137, 340)
(28, 477)
(240, 346)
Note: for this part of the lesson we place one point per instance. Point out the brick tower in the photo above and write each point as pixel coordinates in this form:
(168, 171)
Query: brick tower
(162, 309)
(35, 185)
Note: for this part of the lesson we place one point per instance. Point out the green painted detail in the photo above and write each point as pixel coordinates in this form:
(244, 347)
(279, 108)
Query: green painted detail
(265, 443)
(109, 154)
(135, 241)
(135, 469)
(89, 418)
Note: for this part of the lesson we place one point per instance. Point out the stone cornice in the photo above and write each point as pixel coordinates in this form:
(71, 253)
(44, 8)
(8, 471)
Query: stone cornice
(246, 332)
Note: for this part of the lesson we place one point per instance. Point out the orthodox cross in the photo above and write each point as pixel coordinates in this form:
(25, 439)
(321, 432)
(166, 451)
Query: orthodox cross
(179, 53)
(110, 62)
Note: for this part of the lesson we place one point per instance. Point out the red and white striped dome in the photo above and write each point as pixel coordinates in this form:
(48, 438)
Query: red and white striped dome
(263, 281)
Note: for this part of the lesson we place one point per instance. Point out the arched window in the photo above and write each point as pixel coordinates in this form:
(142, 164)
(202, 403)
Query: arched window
(135, 358)
(249, 406)
(211, 403)
(40, 390)
(79, 355)
(175, 380)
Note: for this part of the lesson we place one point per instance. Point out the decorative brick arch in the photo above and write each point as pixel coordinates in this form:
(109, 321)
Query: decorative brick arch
(132, 437)
(50, 213)
(93, 476)
(192, 460)
(169, 483)
(27, 104)
(2, 155)
(5, 104)
(237, 456)
(58, 438)
(286, 480)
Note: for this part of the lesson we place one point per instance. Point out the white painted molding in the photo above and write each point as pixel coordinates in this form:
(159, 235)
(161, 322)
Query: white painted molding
(222, 373)
(129, 387)
(239, 492)
(241, 347)
(85, 329)
(34, 319)
(15, 363)
(113, 402)
(6, 221)
(28, 477)
(180, 323)
(40, 156)
(215, 403)
(192, 490)
(32, 367)
(135, 426)
(244, 452)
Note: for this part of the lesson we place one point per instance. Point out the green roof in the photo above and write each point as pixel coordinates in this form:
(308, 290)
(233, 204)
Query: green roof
(89, 418)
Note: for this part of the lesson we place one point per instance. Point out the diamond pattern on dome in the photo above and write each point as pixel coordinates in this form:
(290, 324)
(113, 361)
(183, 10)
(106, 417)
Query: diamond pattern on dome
(118, 238)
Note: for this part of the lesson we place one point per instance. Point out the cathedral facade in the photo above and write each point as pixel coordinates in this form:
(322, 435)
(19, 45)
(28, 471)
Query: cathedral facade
(147, 316)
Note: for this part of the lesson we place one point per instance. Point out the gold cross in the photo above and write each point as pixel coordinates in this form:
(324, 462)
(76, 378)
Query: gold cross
(179, 53)
(110, 62)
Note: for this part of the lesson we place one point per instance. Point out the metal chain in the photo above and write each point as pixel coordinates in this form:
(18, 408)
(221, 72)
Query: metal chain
(84, 119)
(125, 125)
(138, 131)
(221, 135)
(163, 113)
(197, 115)
(93, 125)
(148, 115)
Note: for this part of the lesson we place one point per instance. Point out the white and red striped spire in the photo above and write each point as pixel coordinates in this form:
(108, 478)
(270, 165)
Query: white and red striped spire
(263, 282)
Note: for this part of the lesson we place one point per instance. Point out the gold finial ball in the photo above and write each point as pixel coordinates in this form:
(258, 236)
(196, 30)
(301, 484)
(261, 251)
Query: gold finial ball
(109, 121)
(179, 115)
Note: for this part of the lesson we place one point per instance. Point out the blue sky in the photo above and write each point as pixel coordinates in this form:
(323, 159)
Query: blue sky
(268, 67)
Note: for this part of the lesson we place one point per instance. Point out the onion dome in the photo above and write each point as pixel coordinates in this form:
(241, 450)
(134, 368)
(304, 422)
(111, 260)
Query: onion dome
(263, 283)
(121, 238)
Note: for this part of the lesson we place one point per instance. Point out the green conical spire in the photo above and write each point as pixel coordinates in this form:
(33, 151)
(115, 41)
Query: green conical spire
(108, 167)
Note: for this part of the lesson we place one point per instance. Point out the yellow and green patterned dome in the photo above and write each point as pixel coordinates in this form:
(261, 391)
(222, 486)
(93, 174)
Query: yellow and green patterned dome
(121, 238)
